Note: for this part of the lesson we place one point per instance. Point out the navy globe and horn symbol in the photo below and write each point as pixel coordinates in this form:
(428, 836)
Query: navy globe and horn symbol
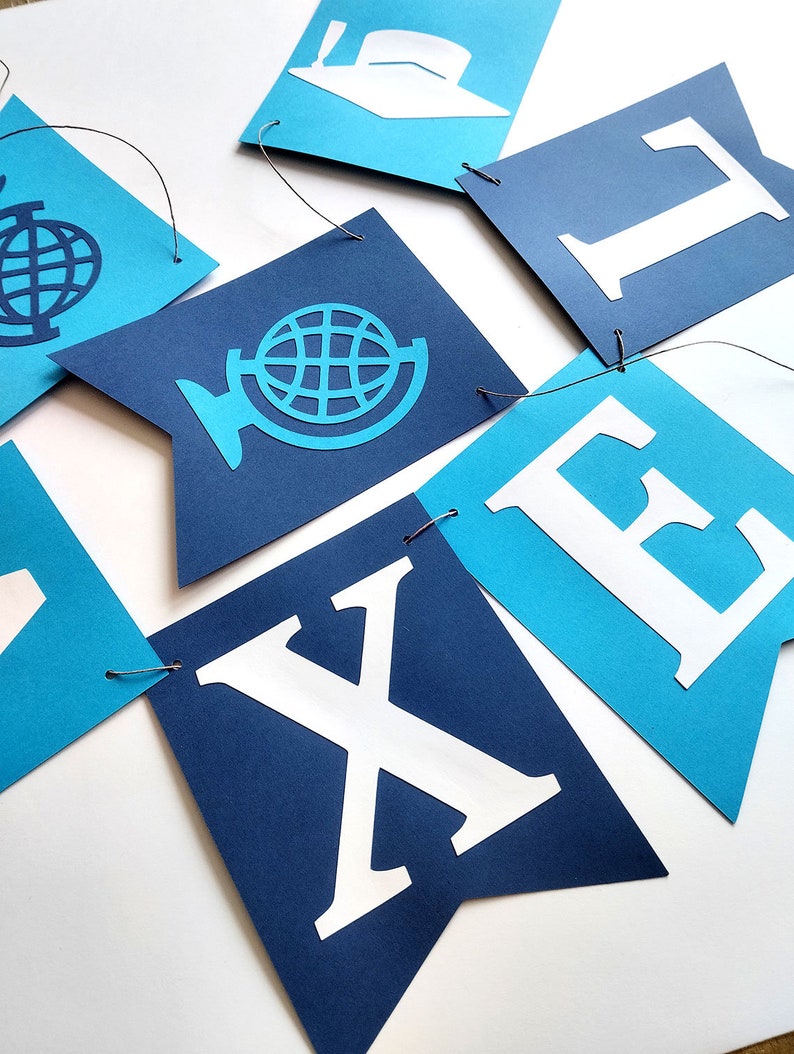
(325, 377)
(46, 267)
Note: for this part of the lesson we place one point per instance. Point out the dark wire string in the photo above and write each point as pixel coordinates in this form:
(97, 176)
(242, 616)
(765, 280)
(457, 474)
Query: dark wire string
(480, 173)
(621, 351)
(408, 538)
(285, 181)
(175, 665)
(623, 365)
(7, 68)
(110, 135)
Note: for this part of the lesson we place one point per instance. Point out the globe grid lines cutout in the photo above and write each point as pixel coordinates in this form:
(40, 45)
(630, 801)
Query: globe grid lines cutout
(366, 395)
(29, 247)
(318, 357)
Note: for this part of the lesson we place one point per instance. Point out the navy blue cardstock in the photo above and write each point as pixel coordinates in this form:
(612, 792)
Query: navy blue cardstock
(295, 387)
(558, 203)
(273, 790)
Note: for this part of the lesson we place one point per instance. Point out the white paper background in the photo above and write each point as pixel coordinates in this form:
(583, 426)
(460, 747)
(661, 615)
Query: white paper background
(120, 930)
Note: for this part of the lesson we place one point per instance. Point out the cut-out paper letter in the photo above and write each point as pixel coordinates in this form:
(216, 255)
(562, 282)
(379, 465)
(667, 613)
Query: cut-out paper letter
(61, 629)
(414, 91)
(20, 599)
(615, 557)
(295, 387)
(78, 256)
(651, 219)
(649, 545)
(649, 242)
(369, 748)
(376, 735)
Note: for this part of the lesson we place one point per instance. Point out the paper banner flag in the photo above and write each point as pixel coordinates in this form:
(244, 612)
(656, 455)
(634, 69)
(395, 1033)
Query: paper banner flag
(651, 219)
(78, 256)
(369, 748)
(648, 545)
(297, 386)
(61, 629)
(413, 89)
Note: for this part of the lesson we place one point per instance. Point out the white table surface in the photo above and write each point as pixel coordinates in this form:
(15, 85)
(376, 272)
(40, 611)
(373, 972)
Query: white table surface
(120, 930)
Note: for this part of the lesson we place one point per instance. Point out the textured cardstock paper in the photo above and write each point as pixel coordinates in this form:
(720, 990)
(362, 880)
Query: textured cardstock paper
(412, 89)
(649, 545)
(651, 219)
(297, 386)
(369, 748)
(78, 256)
(61, 629)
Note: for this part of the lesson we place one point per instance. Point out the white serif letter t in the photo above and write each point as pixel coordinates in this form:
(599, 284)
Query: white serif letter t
(670, 232)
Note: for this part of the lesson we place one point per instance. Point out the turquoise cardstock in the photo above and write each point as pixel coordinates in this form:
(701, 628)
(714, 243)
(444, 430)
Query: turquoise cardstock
(79, 256)
(648, 544)
(61, 629)
(409, 88)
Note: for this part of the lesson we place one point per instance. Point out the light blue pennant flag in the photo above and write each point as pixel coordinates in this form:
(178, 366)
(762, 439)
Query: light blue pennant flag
(410, 88)
(649, 545)
(62, 628)
(79, 255)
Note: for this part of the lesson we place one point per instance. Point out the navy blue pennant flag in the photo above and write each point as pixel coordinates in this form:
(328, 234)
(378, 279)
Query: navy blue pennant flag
(297, 386)
(648, 220)
(369, 748)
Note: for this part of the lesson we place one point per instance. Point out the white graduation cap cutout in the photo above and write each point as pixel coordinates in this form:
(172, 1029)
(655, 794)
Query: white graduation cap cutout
(400, 73)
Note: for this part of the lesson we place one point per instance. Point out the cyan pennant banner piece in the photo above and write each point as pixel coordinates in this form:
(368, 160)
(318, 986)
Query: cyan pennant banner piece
(61, 629)
(409, 88)
(79, 255)
(297, 386)
(651, 219)
(369, 748)
(649, 545)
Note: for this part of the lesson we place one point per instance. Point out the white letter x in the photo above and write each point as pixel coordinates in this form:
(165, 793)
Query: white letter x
(376, 735)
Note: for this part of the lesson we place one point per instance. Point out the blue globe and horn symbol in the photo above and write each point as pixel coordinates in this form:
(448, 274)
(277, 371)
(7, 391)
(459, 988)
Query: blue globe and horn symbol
(325, 377)
(46, 267)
